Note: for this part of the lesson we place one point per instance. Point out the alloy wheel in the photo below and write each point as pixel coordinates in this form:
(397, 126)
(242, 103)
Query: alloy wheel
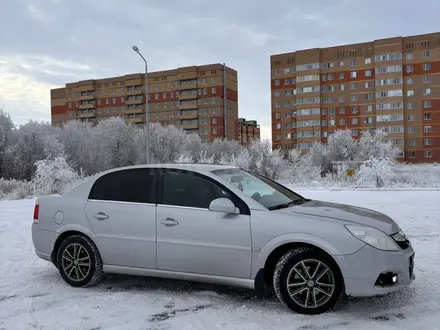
(311, 283)
(76, 262)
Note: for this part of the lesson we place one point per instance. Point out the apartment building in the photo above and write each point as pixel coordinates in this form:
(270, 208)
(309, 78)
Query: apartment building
(248, 130)
(391, 83)
(200, 99)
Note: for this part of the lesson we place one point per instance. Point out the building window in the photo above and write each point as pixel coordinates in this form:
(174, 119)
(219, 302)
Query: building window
(353, 62)
(411, 143)
(410, 92)
(411, 154)
(427, 91)
(214, 130)
(354, 121)
(409, 106)
(427, 129)
(213, 100)
(410, 118)
(411, 130)
(341, 111)
(354, 97)
(369, 108)
(367, 73)
(409, 56)
(341, 75)
(427, 142)
(427, 116)
(114, 100)
(277, 82)
(353, 74)
(213, 90)
(426, 79)
(368, 61)
(428, 154)
(277, 115)
(353, 86)
(341, 121)
(409, 81)
(426, 54)
(426, 66)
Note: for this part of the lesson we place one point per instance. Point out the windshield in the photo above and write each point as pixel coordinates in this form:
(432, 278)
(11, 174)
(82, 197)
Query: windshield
(268, 193)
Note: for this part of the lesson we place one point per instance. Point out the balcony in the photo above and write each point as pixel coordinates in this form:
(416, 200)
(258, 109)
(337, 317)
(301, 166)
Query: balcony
(189, 115)
(133, 101)
(86, 97)
(187, 106)
(90, 114)
(134, 91)
(87, 106)
(187, 96)
(134, 111)
(134, 120)
(193, 125)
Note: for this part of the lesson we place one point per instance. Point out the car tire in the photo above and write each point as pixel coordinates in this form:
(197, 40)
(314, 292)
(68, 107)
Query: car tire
(79, 261)
(312, 289)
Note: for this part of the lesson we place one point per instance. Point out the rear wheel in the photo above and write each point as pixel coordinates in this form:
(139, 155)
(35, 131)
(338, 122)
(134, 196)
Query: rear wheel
(307, 281)
(79, 261)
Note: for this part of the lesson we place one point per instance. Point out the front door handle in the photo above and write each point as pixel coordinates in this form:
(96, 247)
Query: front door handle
(101, 216)
(169, 222)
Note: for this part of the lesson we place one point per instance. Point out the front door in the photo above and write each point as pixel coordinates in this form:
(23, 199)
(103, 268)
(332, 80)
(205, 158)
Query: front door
(192, 239)
(122, 212)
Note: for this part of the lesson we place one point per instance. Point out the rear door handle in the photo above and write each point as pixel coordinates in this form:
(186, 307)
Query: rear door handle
(169, 222)
(101, 216)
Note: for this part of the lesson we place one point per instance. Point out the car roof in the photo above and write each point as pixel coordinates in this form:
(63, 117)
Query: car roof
(199, 167)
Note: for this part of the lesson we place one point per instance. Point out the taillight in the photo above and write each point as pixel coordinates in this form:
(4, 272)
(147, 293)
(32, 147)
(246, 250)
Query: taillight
(36, 211)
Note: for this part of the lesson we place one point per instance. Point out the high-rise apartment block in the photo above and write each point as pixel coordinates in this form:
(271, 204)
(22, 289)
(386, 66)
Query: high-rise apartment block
(391, 83)
(248, 130)
(200, 99)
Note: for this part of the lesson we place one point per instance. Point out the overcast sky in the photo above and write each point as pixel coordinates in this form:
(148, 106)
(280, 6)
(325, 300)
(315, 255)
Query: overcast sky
(46, 43)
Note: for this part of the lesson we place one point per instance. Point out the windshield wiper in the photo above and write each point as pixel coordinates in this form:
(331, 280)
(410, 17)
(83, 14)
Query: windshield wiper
(286, 205)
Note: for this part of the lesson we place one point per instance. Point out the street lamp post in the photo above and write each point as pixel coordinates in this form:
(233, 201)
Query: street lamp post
(147, 117)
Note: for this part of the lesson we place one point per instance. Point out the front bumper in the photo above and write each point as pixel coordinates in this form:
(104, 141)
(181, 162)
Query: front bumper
(362, 270)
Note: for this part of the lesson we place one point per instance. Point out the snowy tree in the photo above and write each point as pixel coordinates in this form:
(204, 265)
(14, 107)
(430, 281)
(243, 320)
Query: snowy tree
(194, 148)
(376, 145)
(35, 141)
(79, 146)
(114, 144)
(376, 172)
(53, 176)
(220, 147)
(6, 126)
(166, 143)
(341, 146)
(264, 160)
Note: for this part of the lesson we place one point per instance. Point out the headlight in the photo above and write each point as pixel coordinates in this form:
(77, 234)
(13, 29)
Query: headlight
(373, 237)
(399, 237)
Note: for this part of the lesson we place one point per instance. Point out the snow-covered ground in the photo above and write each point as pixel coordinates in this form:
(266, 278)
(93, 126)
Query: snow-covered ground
(33, 295)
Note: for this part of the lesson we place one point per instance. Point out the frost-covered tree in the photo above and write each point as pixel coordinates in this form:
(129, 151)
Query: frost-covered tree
(376, 172)
(166, 143)
(114, 144)
(264, 160)
(79, 146)
(35, 141)
(341, 146)
(6, 126)
(376, 145)
(220, 147)
(53, 176)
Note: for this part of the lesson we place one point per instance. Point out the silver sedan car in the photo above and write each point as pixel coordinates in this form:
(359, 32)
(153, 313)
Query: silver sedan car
(224, 225)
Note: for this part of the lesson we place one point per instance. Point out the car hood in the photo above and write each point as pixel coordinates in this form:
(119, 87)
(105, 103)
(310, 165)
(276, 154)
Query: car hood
(346, 213)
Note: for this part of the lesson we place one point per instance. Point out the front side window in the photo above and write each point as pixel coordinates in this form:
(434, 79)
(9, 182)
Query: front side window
(190, 190)
(268, 193)
(132, 185)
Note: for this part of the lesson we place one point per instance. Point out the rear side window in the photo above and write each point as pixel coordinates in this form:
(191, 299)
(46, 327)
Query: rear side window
(132, 185)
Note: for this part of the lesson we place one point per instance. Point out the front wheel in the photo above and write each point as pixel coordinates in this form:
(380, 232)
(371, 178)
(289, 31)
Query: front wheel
(307, 281)
(79, 261)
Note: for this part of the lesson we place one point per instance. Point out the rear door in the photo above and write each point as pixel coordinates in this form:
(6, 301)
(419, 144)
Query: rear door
(122, 212)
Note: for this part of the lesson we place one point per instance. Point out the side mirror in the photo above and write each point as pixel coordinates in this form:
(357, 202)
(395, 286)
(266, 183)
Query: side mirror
(223, 205)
